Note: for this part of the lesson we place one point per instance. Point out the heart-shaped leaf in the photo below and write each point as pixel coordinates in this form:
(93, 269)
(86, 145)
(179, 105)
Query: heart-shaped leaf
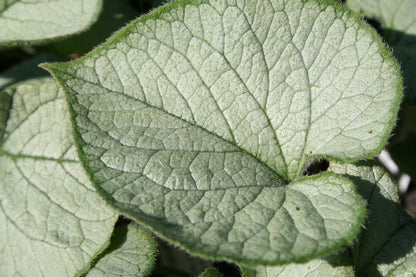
(194, 119)
(52, 222)
(40, 21)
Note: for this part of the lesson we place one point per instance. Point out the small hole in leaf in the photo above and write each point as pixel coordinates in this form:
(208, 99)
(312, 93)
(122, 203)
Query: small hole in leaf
(370, 132)
(316, 167)
(297, 208)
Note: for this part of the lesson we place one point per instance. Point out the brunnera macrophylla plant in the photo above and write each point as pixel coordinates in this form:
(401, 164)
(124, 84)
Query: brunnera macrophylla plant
(198, 121)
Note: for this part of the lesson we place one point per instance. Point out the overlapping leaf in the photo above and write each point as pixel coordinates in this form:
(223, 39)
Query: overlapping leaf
(194, 118)
(387, 244)
(52, 222)
(131, 253)
(38, 21)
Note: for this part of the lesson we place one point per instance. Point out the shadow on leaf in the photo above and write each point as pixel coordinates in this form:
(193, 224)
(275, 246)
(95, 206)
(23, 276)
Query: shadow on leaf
(386, 226)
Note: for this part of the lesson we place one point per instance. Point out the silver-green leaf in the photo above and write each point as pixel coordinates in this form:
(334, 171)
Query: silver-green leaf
(195, 118)
(52, 222)
(131, 254)
(40, 21)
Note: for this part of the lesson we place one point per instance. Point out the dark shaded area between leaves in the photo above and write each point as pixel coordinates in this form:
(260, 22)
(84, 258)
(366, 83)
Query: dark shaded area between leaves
(25, 70)
(114, 15)
(373, 22)
(404, 49)
(228, 269)
(144, 6)
(172, 261)
(12, 57)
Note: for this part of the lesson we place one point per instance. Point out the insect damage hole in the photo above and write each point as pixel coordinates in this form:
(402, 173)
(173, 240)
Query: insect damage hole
(316, 167)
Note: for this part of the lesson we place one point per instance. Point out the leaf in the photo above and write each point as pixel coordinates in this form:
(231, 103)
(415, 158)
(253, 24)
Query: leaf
(194, 119)
(387, 244)
(115, 14)
(131, 253)
(40, 21)
(335, 265)
(52, 222)
(399, 29)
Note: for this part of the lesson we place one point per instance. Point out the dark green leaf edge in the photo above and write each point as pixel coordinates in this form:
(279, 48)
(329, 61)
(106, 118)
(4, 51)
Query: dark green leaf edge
(21, 43)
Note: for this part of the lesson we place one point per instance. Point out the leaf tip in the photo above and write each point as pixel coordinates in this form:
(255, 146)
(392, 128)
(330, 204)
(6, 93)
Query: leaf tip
(50, 67)
(55, 69)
